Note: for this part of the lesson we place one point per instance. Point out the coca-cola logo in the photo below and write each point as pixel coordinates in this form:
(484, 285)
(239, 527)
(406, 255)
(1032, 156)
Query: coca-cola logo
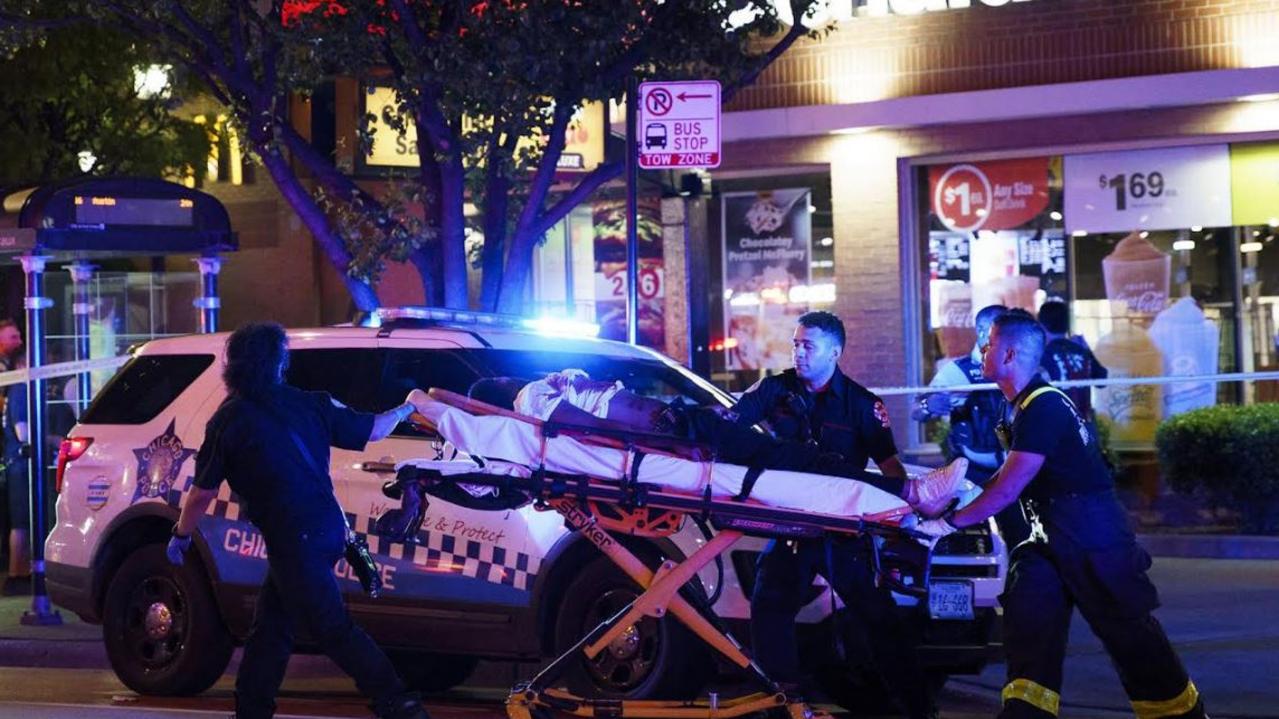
(1149, 302)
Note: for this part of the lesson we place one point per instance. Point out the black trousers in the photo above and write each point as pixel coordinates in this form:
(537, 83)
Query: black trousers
(1108, 584)
(785, 574)
(301, 593)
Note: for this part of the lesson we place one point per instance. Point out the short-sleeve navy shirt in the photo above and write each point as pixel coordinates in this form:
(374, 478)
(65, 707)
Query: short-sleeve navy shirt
(1050, 425)
(844, 418)
(247, 443)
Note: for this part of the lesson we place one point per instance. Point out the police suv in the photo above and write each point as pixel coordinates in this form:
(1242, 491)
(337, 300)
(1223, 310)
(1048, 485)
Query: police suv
(512, 585)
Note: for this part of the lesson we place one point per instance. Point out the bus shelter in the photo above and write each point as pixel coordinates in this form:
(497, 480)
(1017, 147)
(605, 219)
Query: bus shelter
(74, 223)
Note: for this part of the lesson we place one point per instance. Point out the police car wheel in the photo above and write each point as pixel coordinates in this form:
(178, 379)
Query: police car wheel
(657, 659)
(432, 673)
(161, 627)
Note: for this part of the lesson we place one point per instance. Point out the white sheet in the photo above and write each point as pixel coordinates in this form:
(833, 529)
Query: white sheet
(520, 443)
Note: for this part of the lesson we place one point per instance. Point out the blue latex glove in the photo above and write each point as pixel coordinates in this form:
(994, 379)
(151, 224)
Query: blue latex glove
(178, 547)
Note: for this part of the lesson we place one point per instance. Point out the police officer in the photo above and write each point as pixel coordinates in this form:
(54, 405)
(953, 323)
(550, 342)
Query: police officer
(973, 417)
(271, 443)
(1082, 553)
(816, 402)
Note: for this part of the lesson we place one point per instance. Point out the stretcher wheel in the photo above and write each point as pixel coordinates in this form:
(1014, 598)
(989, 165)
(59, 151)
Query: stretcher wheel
(659, 659)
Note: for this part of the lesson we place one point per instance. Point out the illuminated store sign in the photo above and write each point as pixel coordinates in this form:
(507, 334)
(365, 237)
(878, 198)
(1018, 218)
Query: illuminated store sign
(846, 10)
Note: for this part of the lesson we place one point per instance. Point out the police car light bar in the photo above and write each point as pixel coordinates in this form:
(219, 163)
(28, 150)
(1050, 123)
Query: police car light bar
(550, 326)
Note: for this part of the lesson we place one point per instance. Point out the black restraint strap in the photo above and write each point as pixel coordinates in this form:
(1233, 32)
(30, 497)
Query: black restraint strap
(748, 483)
(634, 494)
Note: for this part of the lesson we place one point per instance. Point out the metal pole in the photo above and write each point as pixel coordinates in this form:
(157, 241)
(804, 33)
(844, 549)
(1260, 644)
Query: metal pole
(632, 214)
(42, 612)
(81, 274)
(209, 303)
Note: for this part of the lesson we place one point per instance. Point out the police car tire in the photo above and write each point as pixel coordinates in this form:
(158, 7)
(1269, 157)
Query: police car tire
(432, 673)
(199, 646)
(681, 664)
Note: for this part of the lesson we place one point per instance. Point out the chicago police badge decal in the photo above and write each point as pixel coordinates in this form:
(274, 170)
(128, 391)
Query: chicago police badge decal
(159, 464)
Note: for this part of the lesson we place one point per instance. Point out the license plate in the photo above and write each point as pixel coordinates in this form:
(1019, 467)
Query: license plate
(950, 600)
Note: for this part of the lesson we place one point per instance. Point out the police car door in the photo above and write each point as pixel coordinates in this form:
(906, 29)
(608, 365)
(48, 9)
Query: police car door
(476, 557)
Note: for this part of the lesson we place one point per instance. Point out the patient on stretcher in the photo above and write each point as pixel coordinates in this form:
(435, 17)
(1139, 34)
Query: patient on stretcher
(572, 398)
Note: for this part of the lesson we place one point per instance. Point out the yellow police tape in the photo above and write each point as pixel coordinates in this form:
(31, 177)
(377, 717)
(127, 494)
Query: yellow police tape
(1183, 703)
(1036, 695)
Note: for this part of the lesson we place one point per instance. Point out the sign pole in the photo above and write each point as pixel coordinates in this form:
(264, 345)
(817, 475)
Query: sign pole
(632, 214)
(42, 612)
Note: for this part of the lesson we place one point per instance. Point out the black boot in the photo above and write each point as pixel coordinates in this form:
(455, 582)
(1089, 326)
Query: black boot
(402, 706)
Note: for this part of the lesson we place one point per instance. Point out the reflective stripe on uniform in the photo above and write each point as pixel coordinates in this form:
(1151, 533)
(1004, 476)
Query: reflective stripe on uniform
(1036, 695)
(1038, 392)
(1183, 703)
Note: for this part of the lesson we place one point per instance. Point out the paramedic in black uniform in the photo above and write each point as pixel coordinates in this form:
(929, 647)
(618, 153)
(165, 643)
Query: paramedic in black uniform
(1082, 552)
(255, 441)
(815, 402)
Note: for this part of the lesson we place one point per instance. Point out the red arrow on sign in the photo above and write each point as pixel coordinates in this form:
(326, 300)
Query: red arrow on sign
(685, 96)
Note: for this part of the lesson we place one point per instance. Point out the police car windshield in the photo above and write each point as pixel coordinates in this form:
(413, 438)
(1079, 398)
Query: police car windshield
(650, 378)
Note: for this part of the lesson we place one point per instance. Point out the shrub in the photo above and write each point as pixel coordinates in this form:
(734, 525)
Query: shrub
(1228, 453)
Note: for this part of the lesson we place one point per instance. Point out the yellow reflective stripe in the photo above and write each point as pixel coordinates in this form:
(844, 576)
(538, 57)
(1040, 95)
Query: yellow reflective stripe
(1036, 695)
(1038, 392)
(1183, 703)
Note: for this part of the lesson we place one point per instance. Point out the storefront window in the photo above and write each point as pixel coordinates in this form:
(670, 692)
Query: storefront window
(580, 269)
(772, 259)
(1166, 257)
(994, 236)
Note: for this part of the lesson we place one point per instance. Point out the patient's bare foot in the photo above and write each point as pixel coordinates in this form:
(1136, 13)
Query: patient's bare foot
(933, 492)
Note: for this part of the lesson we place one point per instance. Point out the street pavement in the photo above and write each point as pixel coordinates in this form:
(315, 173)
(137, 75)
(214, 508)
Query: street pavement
(1223, 616)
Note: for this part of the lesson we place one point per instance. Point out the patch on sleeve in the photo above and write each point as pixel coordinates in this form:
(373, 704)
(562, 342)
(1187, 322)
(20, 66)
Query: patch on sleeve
(881, 413)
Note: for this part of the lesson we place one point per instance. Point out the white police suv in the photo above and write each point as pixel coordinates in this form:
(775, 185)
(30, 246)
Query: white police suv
(498, 585)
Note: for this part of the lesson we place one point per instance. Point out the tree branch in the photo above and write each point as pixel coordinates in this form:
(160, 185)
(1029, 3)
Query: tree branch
(795, 32)
(545, 174)
(584, 188)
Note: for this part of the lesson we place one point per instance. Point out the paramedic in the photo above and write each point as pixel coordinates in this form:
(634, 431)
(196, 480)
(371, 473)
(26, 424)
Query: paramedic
(817, 403)
(1082, 552)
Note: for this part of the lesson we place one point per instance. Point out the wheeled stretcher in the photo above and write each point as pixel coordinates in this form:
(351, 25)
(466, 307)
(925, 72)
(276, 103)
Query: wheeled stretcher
(608, 483)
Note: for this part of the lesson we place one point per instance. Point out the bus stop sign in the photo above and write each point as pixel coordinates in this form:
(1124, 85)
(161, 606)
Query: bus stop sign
(678, 124)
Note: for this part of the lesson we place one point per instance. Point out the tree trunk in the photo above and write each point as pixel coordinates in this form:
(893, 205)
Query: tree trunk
(300, 199)
(495, 226)
(519, 268)
(426, 260)
(453, 231)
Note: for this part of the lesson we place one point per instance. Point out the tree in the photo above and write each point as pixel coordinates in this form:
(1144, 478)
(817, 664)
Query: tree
(72, 90)
(473, 77)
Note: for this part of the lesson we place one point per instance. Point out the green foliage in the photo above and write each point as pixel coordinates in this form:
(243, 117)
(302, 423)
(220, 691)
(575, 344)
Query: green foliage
(1229, 453)
(71, 89)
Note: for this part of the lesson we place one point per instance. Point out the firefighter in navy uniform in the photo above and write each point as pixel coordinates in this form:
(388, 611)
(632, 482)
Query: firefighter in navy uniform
(816, 402)
(1082, 552)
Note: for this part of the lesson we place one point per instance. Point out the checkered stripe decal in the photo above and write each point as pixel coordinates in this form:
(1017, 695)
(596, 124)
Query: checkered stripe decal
(226, 505)
(445, 553)
(434, 551)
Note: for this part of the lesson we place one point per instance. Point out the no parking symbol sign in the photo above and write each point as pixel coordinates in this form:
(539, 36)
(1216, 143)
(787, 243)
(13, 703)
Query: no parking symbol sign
(679, 124)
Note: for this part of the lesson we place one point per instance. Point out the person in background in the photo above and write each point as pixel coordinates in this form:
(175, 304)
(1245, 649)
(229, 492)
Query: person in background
(973, 417)
(14, 517)
(1067, 359)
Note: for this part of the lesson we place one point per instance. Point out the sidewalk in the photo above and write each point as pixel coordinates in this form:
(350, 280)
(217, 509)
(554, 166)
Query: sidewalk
(73, 645)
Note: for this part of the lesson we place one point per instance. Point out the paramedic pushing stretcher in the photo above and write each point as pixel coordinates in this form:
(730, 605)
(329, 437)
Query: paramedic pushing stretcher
(1082, 552)
(271, 442)
(816, 403)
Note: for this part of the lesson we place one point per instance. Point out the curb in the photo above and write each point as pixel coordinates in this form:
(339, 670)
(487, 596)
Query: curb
(1211, 546)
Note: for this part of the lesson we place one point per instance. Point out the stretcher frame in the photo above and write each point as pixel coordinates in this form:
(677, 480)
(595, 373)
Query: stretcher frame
(597, 510)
